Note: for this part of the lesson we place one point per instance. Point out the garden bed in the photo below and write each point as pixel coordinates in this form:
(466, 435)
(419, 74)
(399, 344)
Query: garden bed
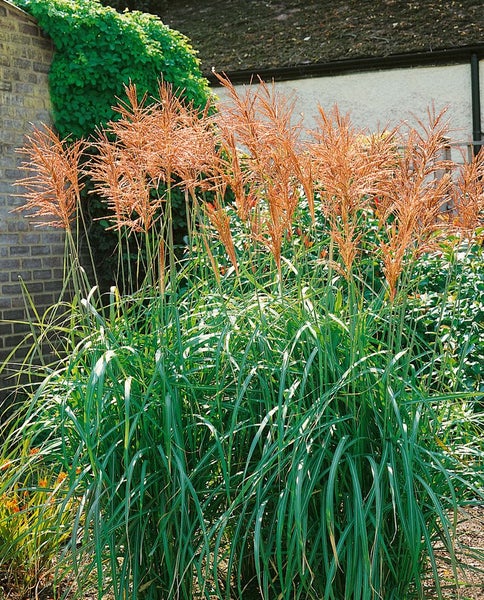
(291, 398)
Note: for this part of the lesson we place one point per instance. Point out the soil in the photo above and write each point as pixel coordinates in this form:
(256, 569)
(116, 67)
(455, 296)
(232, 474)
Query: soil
(470, 534)
(232, 35)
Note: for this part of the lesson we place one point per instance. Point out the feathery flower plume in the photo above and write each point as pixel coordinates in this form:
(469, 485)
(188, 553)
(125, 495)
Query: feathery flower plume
(221, 221)
(350, 169)
(265, 172)
(467, 196)
(54, 186)
(413, 200)
(164, 141)
(126, 168)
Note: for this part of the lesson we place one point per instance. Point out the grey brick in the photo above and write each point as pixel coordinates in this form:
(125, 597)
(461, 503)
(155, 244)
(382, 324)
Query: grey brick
(43, 275)
(17, 302)
(22, 63)
(14, 315)
(12, 174)
(6, 328)
(11, 341)
(9, 239)
(57, 250)
(53, 261)
(44, 300)
(40, 67)
(24, 275)
(31, 263)
(34, 288)
(31, 238)
(5, 302)
(20, 250)
(40, 250)
(11, 289)
(17, 224)
(24, 88)
(53, 237)
(55, 285)
(9, 264)
(29, 29)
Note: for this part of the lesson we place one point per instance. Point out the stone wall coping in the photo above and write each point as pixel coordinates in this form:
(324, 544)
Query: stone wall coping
(18, 10)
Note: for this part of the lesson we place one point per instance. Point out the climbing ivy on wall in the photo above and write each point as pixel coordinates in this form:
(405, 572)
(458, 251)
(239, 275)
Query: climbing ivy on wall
(98, 50)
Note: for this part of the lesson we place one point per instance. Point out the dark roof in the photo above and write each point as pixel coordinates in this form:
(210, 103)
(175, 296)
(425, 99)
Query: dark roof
(254, 35)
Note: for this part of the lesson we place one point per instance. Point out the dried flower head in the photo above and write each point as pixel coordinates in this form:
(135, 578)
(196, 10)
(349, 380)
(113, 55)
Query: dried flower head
(220, 220)
(54, 186)
(261, 161)
(467, 196)
(412, 202)
(164, 141)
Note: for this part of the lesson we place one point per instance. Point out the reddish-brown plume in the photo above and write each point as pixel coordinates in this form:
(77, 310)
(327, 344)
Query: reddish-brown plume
(52, 190)
(253, 148)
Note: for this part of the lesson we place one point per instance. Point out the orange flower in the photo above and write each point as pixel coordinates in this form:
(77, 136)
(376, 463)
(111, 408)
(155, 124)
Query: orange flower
(34, 451)
(60, 478)
(43, 483)
(6, 465)
(10, 504)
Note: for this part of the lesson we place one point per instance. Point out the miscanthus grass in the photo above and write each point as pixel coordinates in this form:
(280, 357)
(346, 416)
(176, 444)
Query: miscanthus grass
(273, 413)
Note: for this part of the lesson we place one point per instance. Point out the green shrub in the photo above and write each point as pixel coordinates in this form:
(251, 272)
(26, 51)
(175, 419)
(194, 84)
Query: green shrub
(455, 322)
(99, 51)
(263, 418)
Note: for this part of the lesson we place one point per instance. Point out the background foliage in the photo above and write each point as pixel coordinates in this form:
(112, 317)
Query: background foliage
(99, 50)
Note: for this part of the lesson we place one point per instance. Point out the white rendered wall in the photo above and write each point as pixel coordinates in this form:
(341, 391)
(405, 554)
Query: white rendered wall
(380, 99)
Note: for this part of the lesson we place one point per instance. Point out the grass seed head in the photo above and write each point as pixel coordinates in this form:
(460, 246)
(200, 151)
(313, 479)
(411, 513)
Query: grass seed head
(53, 186)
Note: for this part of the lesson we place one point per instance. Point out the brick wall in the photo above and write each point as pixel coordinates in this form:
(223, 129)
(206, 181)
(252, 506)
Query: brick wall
(33, 253)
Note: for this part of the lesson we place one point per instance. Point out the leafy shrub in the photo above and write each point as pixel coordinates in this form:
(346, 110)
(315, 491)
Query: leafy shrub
(99, 50)
(264, 418)
(455, 321)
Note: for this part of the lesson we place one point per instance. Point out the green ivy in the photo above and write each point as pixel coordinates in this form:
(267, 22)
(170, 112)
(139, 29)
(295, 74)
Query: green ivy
(99, 50)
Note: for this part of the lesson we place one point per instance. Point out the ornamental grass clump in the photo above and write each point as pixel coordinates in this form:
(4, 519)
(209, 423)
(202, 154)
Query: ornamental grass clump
(272, 413)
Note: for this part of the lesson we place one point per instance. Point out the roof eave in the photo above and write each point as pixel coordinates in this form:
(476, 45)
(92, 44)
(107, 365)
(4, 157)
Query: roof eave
(338, 67)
